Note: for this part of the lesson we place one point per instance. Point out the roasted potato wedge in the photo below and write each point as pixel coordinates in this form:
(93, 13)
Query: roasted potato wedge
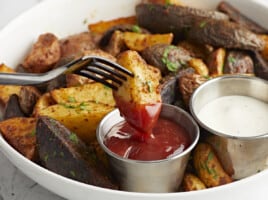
(165, 2)
(208, 166)
(95, 92)
(215, 62)
(199, 66)
(264, 52)
(20, 133)
(6, 91)
(102, 26)
(81, 118)
(191, 182)
(43, 102)
(62, 152)
(5, 69)
(13, 108)
(138, 92)
(28, 97)
(138, 41)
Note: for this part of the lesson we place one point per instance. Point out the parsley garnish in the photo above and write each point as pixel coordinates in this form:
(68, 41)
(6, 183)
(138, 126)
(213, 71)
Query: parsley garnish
(202, 24)
(73, 137)
(150, 86)
(231, 59)
(72, 173)
(71, 99)
(136, 29)
(171, 66)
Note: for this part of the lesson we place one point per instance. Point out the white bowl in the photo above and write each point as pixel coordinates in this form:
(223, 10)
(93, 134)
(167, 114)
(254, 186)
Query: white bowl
(65, 17)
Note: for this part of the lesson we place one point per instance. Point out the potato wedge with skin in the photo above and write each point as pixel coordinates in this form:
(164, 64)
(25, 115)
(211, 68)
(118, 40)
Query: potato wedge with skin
(20, 133)
(95, 92)
(6, 91)
(165, 2)
(139, 41)
(102, 26)
(191, 182)
(13, 108)
(4, 68)
(81, 118)
(215, 62)
(208, 166)
(139, 98)
(199, 66)
(43, 102)
(62, 152)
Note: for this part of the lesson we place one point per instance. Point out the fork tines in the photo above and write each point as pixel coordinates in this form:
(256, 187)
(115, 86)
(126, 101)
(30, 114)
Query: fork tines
(104, 71)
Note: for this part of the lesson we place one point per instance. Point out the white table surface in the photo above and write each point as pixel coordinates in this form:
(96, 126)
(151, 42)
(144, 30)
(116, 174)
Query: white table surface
(14, 185)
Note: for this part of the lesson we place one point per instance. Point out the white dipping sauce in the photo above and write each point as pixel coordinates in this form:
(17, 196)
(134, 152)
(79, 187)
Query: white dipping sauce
(236, 115)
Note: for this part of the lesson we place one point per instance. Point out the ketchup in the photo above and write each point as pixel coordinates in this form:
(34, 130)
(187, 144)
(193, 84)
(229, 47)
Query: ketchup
(166, 138)
(141, 116)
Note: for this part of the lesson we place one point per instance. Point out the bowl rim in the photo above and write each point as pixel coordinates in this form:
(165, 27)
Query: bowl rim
(213, 81)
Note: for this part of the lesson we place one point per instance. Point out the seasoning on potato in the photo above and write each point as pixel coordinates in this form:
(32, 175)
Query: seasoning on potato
(208, 167)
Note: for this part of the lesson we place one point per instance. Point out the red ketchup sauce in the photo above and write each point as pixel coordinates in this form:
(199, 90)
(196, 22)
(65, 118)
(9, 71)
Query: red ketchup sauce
(166, 138)
(141, 116)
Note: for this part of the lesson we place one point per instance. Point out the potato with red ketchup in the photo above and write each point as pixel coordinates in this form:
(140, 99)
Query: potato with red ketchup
(143, 135)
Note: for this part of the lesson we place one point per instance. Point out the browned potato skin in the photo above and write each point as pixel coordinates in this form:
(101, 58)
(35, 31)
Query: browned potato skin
(215, 62)
(199, 66)
(45, 53)
(75, 45)
(19, 132)
(43, 102)
(102, 26)
(28, 97)
(208, 167)
(191, 182)
(139, 41)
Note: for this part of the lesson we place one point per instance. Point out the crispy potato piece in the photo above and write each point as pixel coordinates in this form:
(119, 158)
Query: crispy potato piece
(6, 91)
(216, 62)
(5, 69)
(43, 102)
(13, 108)
(191, 182)
(116, 44)
(208, 167)
(139, 94)
(28, 97)
(102, 26)
(45, 53)
(264, 52)
(199, 66)
(139, 41)
(20, 133)
(188, 82)
(95, 92)
(81, 118)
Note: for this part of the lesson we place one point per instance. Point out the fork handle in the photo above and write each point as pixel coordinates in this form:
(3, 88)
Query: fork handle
(29, 78)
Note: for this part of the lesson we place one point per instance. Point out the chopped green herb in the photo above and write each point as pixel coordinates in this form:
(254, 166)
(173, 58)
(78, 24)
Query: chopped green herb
(85, 21)
(136, 29)
(231, 59)
(171, 66)
(73, 137)
(202, 24)
(82, 106)
(210, 156)
(32, 134)
(72, 173)
(71, 99)
(67, 105)
(46, 158)
(54, 153)
(167, 2)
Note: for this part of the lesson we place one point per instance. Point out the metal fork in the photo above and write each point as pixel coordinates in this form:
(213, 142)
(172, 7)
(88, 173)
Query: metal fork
(97, 68)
